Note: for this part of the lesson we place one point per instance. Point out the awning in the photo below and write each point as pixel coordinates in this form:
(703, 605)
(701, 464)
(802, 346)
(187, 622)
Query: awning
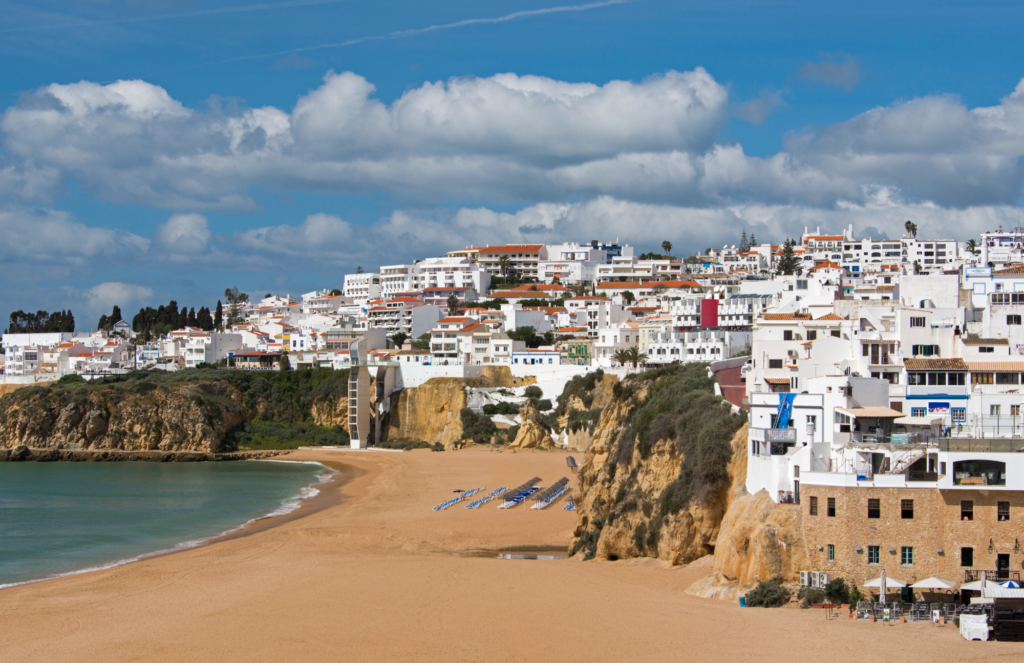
(918, 421)
(777, 380)
(933, 583)
(875, 412)
(976, 586)
(890, 583)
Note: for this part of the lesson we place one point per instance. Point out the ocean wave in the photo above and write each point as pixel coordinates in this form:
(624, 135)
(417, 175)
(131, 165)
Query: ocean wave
(287, 506)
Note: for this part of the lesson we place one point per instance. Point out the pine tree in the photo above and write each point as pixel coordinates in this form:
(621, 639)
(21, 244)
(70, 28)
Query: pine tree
(788, 263)
(744, 245)
(218, 316)
(192, 320)
(115, 315)
(753, 241)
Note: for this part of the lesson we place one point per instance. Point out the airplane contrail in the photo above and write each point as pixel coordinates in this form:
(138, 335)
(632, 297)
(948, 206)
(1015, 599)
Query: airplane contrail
(161, 17)
(445, 26)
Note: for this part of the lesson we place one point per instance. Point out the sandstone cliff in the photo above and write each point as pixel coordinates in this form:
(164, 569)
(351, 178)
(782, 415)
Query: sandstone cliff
(428, 413)
(179, 417)
(655, 481)
(331, 413)
(533, 434)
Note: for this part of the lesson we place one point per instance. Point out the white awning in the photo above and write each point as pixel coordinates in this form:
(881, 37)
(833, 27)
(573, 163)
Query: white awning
(976, 586)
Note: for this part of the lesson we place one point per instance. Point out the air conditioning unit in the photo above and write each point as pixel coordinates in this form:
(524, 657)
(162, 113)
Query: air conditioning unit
(815, 579)
(805, 578)
(825, 578)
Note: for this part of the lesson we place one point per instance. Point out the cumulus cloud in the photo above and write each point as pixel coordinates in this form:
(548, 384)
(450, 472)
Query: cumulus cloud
(757, 110)
(101, 298)
(130, 141)
(48, 237)
(319, 235)
(184, 235)
(845, 74)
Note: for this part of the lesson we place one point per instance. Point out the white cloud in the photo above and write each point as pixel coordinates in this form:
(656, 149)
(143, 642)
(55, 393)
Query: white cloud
(184, 236)
(319, 235)
(52, 237)
(757, 110)
(845, 74)
(101, 298)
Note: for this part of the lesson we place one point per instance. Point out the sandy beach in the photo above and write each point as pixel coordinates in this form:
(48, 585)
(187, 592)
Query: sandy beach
(368, 572)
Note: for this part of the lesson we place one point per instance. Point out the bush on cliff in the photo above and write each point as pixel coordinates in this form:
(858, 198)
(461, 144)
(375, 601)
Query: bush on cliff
(768, 595)
(581, 387)
(258, 434)
(476, 427)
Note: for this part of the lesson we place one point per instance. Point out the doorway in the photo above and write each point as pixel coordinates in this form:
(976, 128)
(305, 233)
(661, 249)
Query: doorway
(1003, 566)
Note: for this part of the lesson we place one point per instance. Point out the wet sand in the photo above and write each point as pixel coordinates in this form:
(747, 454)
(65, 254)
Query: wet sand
(367, 572)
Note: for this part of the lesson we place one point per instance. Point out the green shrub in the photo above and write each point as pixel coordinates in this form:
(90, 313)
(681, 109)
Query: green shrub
(533, 391)
(580, 419)
(542, 405)
(810, 596)
(768, 595)
(837, 592)
(476, 427)
(259, 434)
(70, 379)
(854, 598)
(503, 407)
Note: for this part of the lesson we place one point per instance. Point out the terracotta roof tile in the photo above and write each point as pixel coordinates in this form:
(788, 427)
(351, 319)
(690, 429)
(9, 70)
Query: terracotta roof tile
(936, 364)
(971, 339)
(787, 316)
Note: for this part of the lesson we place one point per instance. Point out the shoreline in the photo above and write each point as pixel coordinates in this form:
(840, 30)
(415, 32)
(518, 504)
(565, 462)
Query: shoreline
(327, 495)
(369, 572)
(23, 454)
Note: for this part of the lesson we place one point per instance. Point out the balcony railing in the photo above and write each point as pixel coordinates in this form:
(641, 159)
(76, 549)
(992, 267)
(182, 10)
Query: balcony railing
(967, 445)
(972, 575)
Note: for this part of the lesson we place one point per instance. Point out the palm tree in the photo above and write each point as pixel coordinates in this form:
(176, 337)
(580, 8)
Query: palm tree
(453, 304)
(621, 357)
(972, 246)
(911, 228)
(666, 246)
(504, 262)
(634, 356)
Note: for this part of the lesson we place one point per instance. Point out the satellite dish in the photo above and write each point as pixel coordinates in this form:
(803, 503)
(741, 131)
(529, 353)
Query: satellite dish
(844, 366)
(845, 311)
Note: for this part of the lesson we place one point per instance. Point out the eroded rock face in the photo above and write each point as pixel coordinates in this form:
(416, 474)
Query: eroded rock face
(331, 414)
(760, 541)
(636, 528)
(179, 417)
(428, 413)
(533, 434)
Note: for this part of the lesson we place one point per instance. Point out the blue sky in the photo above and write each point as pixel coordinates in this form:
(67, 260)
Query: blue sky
(229, 154)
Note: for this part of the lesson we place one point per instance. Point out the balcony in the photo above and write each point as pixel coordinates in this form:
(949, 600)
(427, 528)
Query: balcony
(972, 575)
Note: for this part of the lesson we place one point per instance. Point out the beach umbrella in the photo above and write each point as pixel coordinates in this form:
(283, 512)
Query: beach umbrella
(976, 585)
(934, 583)
(889, 582)
(1010, 584)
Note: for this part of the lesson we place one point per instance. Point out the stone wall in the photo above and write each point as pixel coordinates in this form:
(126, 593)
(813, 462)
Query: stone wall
(936, 524)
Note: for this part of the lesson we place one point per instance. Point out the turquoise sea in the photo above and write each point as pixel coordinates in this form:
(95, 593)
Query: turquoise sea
(61, 518)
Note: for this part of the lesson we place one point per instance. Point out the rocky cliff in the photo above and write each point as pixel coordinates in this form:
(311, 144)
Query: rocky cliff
(331, 413)
(655, 481)
(142, 417)
(533, 434)
(428, 413)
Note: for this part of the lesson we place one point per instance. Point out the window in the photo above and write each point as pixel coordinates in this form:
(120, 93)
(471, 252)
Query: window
(959, 414)
(981, 378)
(906, 555)
(831, 553)
(801, 284)
(1013, 319)
(787, 335)
(774, 363)
(1014, 410)
(967, 557)
(986, 349)
(907, 509)
(1007, 378)
(917, 322)
(925, 350)
(831, 507)
(814, 506)
(937, 379)
(993, 410)
(812, 335)
(966, 510)
(956, 379)
(874, 555)
(865, 350)
(917, 378)
(1003, 511)
(834, 333)
(874, 508)
(794, 383)
(919, 412)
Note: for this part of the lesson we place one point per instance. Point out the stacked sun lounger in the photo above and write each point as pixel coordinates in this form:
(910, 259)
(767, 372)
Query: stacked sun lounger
(470, 493)
(517, 499)
(551, 490)
(570, 504)
(509, 494)
(546, 502)
(486, 498)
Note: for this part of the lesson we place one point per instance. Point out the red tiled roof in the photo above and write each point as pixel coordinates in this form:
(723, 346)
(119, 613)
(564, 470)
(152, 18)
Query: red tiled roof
(825, 264)
(671, 284)
(454, 319)
(787, 316)
(831, 316)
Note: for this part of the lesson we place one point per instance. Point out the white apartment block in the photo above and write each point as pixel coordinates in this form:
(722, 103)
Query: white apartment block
(519, 260)
(445, 272)
(403, 314)
(362, 288)
(572, 264)
(210, 347)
